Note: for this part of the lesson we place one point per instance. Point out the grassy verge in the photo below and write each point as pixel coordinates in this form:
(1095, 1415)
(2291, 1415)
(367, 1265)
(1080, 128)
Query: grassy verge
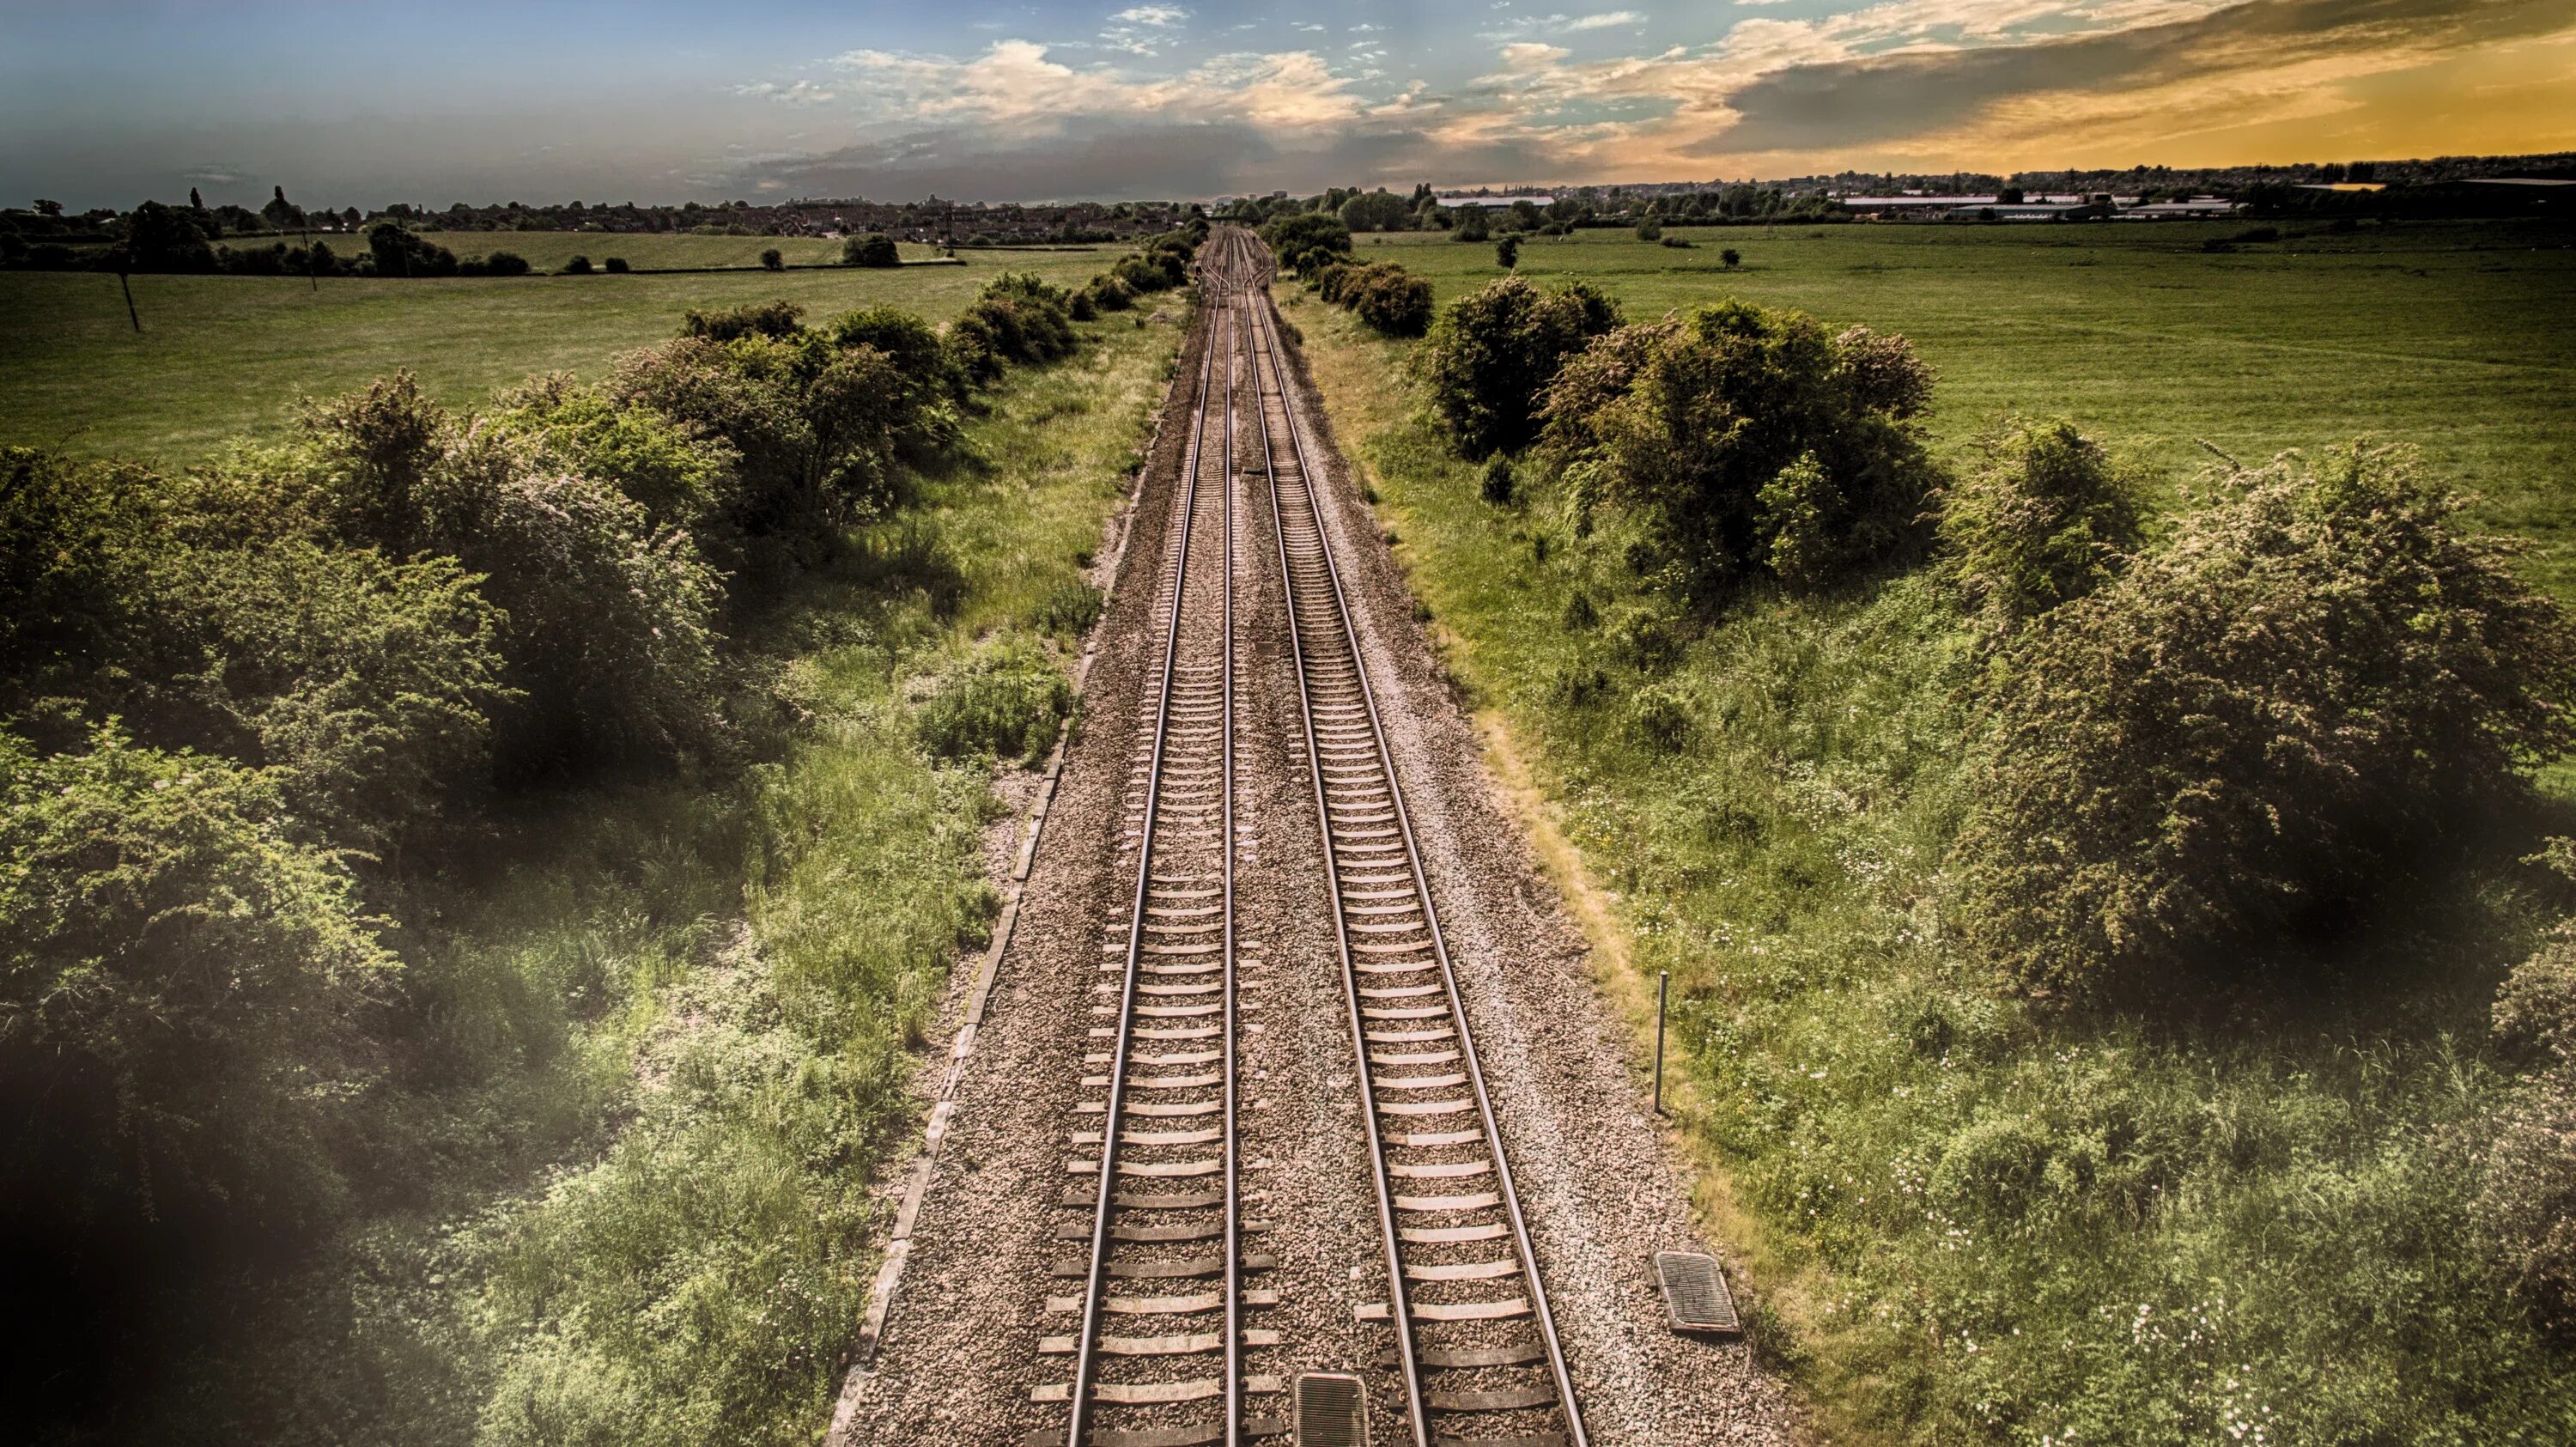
(1966, 1221)
(221, 356)
(663, 1044)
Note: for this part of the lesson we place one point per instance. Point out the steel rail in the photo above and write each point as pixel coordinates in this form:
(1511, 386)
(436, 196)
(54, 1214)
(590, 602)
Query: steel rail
(1086, 1355)
(1399, 1295)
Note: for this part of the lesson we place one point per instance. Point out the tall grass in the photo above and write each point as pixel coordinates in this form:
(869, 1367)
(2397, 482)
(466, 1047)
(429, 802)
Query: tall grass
(1969, 1221)
(667, 1033)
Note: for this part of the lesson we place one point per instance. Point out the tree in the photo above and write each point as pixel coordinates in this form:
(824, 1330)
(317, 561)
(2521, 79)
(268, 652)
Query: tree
(165, 238)
(1374, 211)
(1507, 253)
(773, 260)
(577, 266)
(1492, 353)
(1731, 258)
(874, 249)
(2344, 680)
(1650, 230)
(284, 215)
(1471, 225)
(1306, 231)
(195, 201)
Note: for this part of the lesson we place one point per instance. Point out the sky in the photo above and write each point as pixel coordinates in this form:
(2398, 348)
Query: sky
(110, 102)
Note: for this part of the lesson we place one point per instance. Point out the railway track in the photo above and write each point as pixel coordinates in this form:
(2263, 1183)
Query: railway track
(1163, 1343)
(1476, 1353)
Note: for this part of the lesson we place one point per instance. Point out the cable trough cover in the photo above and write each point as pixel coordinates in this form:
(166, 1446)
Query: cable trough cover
(1695, 1294)
(1332, 1411)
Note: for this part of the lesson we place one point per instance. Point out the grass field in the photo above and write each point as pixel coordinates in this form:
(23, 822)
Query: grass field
(2460, 338)
(222, 356)
(1959, 1219)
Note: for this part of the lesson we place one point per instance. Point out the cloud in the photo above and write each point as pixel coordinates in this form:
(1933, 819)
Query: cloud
(1018, 88)
(1527, 25)
(803, 92)
(1164, 16)
(2267, 54)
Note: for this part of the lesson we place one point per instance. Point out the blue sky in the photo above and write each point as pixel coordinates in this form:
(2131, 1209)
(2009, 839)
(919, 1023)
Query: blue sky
(347, 102)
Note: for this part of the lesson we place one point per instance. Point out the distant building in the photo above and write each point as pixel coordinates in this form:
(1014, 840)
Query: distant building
(1457, 201)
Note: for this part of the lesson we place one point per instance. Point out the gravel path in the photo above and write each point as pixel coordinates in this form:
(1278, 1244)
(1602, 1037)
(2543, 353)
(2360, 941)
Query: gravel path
(960, 1350)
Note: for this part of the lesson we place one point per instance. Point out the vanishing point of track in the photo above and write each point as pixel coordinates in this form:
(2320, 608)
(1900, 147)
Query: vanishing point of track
(1475, 1358)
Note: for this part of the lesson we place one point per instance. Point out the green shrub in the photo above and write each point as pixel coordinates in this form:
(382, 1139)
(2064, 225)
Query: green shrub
(779, 318)
(816, 426)
(773, 260)
(366, 686)
(1394, 303)
(1744, 439)
(1007, 698)
(874, 249)
(2343, 680)
(607, 637)
(1659, 717)
(578, 266)
(1496, 485)
(680, 480)
(2043, 517)
(1495, 350)
(178, 1003)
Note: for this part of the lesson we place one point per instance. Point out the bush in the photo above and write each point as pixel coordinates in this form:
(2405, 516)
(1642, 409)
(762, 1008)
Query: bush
(366, 686)
(1496, 487)
(176, 1017)
(578, 266)
(1650, 230)
(2043, 517)
(780, 318)
(1679, 243)
(681, 480)
(1495, 350)
(1395, 303)
(1110, 294)
(816, 426)
(1743, 439)
(2343, 679)
(511, 263)
(1470, 227)
(1008, 699)
(1507, 253)
(874, 249)
(616, 265)
(1730, 258)
(607, 635)
(773, 260)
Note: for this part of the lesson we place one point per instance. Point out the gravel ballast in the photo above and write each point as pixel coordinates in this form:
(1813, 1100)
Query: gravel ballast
(959, 1353)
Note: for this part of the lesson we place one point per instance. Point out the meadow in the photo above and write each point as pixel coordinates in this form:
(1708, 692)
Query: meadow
(2459, 337)
(225, 356)
(1957, 1217)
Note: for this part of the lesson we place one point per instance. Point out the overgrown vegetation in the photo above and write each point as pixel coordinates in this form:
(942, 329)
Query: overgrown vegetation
(425, 840)
(2082, 932)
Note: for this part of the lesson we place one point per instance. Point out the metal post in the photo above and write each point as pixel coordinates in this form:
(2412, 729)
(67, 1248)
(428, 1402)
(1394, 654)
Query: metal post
(1663, 987)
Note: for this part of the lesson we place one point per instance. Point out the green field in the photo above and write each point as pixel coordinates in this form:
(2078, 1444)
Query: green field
(222, 356)
(2460, 338)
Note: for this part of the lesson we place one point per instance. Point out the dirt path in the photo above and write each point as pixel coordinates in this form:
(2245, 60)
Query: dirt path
(960, 1347)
